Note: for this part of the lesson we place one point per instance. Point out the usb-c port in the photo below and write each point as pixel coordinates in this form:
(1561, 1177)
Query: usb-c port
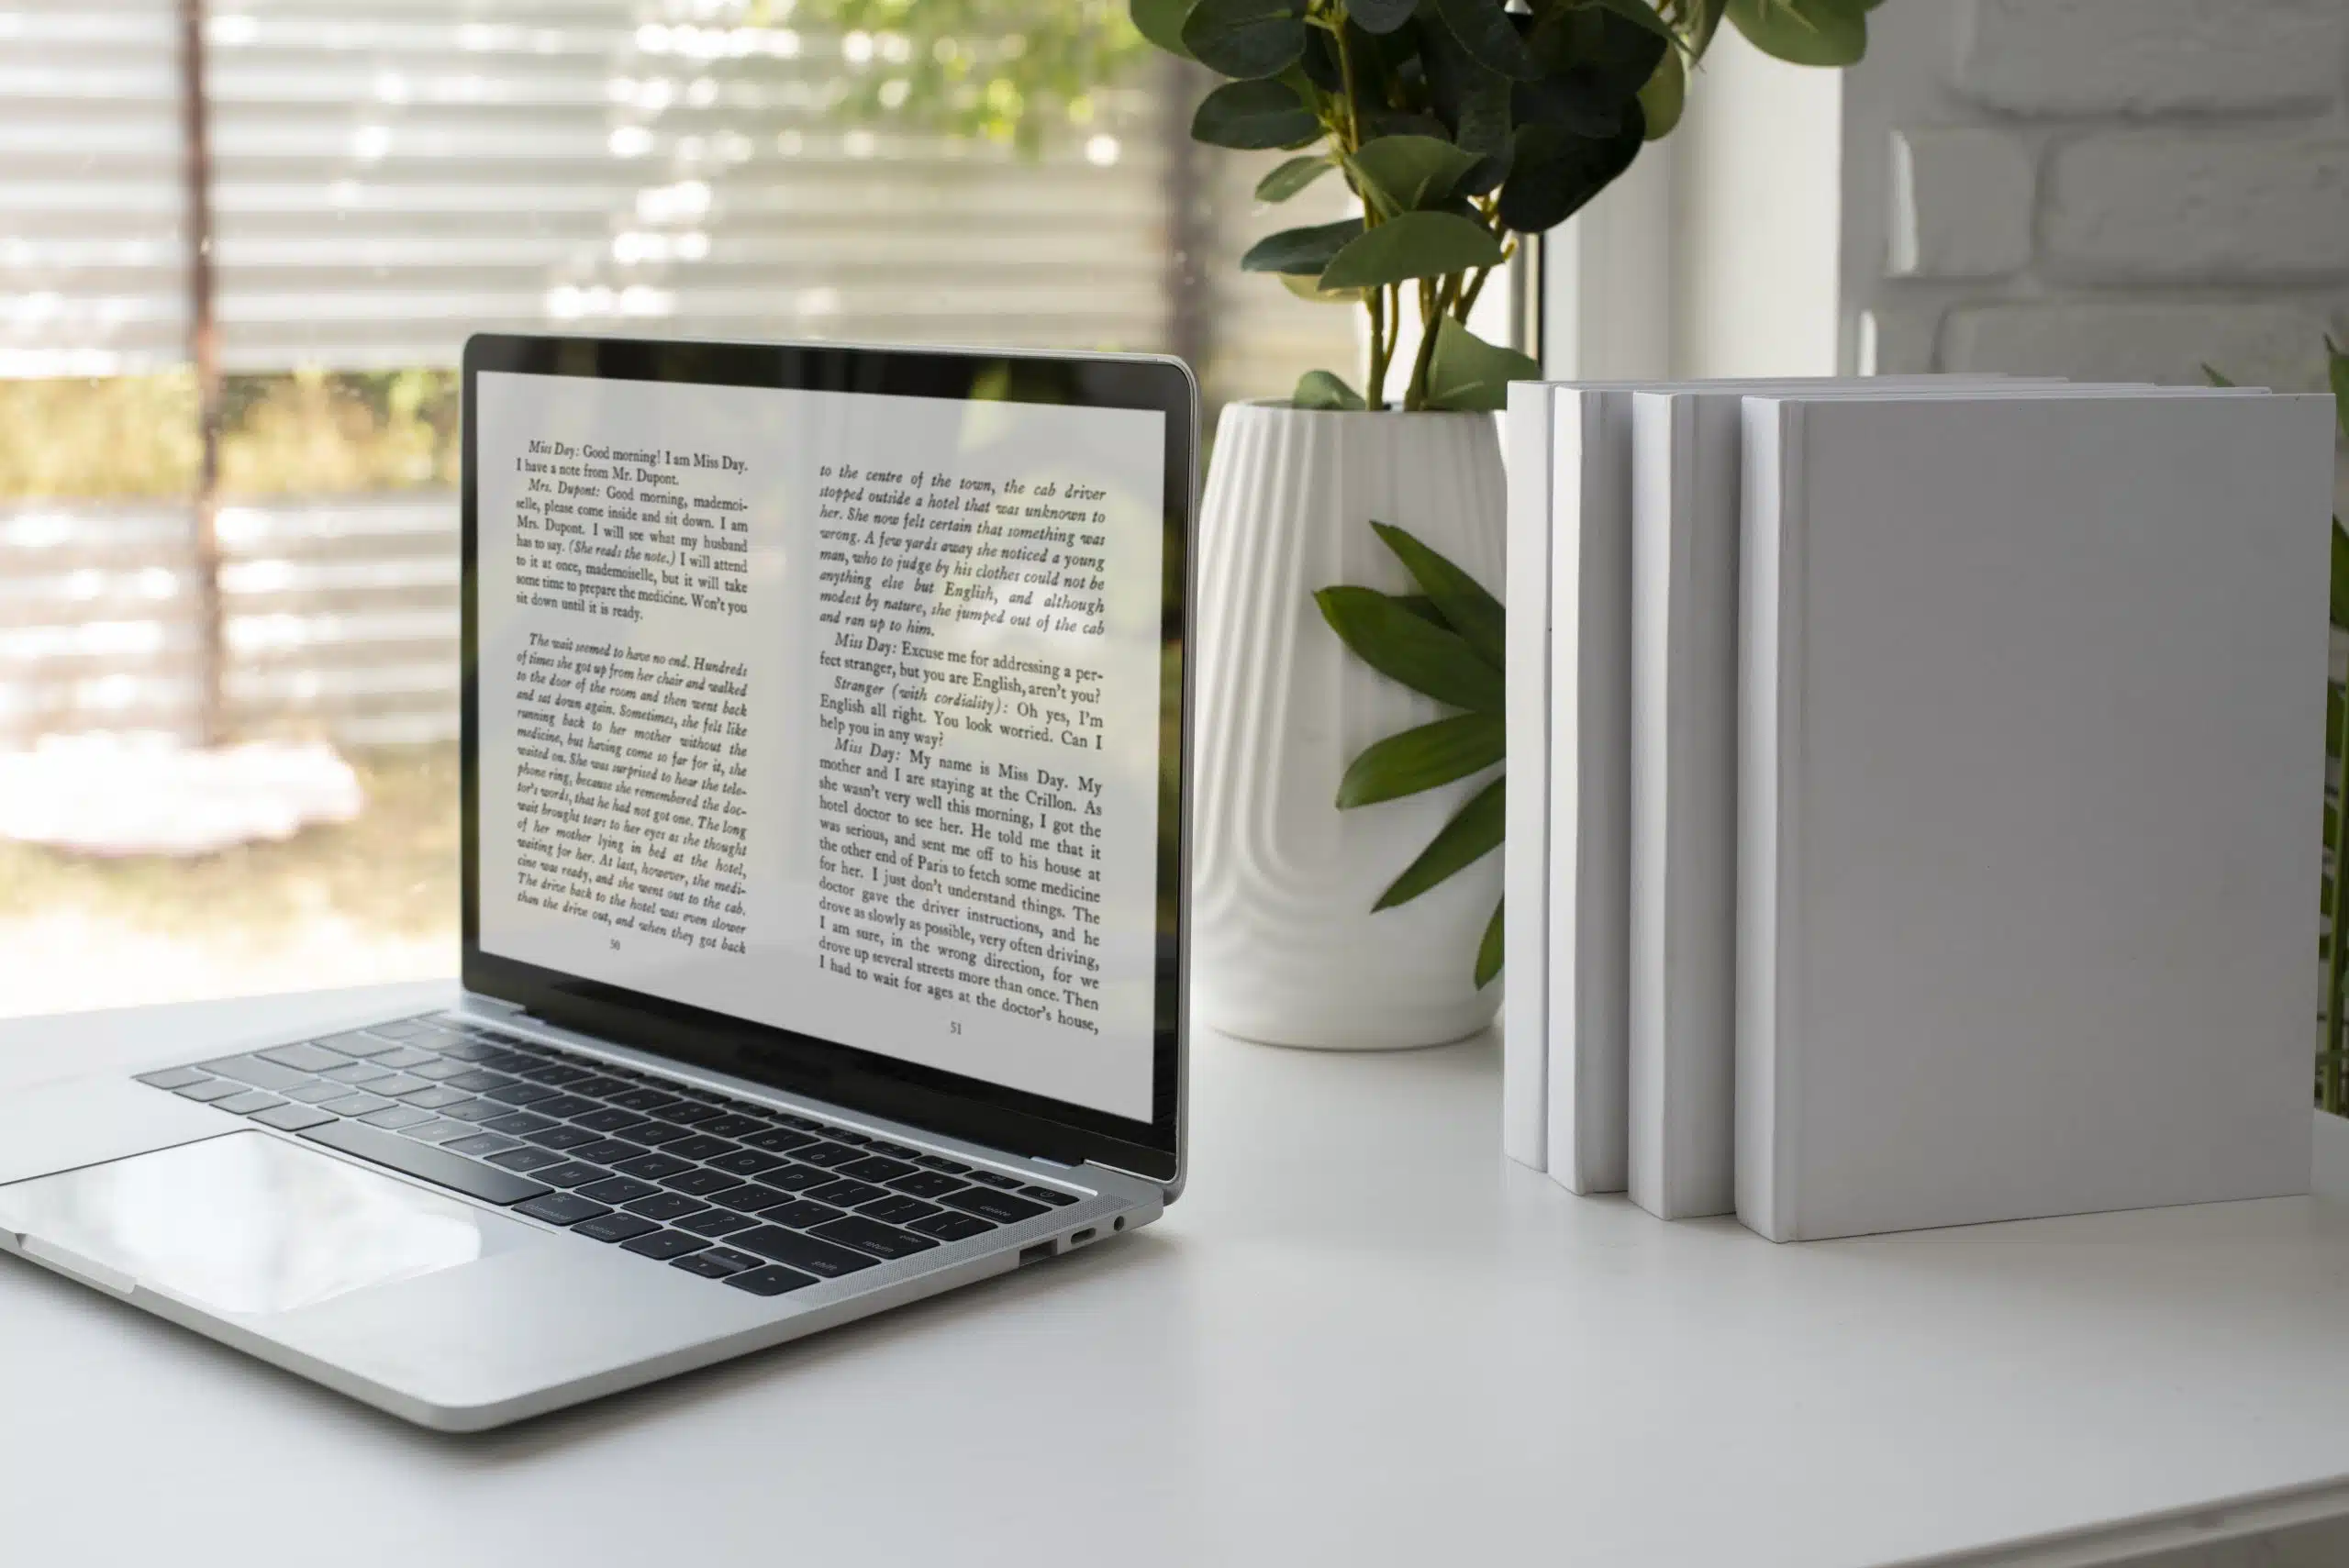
(1081, 1237)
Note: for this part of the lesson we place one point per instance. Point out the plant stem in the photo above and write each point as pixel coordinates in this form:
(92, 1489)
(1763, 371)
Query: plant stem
(1375, 387)
(2332, 989)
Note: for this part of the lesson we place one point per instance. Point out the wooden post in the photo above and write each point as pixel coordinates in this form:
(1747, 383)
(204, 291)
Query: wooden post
(204, 355)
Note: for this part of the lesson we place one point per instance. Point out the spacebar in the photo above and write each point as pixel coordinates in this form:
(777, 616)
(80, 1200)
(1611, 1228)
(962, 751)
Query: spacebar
(424, 1162)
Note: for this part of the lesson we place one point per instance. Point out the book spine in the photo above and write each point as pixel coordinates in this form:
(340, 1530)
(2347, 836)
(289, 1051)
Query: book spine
(1770, 511)
(1657, 500)
(1525, 1024)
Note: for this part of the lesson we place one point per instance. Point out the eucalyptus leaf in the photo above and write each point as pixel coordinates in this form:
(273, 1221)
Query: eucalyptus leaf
(1804, 32)
(1324, 391)
(1467, 605)
(1380, 16)
(1403, 647)
(1640, 15)
(1415, 245)
(1488, 951)
(1160, 21)
(1467, 375)
(1484, 30)
(1307, 251)
(1424, 759)
(1473, 832)
(1291, 177)
(1251, 115)
(1552, 173)
(1319, 61)
(1411, 172)
(1472, 102)
(1246, 38)
(1706, 23)
(1662, 100)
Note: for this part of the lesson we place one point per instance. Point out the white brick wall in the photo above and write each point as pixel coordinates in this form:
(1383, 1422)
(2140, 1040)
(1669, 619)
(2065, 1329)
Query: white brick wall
(2110, 189)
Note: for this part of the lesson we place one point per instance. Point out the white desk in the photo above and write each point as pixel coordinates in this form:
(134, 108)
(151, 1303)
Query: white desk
(1362, 1339)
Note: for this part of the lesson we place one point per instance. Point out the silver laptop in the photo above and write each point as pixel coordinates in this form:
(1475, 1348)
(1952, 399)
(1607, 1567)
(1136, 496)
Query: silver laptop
(824, 918)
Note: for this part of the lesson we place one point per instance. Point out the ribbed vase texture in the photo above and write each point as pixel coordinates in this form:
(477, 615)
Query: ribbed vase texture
(1286, 949)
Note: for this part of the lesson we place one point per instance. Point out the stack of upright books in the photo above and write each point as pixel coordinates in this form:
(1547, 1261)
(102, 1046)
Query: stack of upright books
(1915, 797)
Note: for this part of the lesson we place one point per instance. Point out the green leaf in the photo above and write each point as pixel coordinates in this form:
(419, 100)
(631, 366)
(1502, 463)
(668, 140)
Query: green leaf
(1160, 21)
(1640, 15)
(1246, 38)
(1308, 288)
(1308, 252)
(2215, 378)
(1662, 100)
(1473, 832)
(1380, 16)
(1706, 23)
(1292, 177)
(1415, 245)
(1406, 649)
(1422, 606)
(1404, 173)
(1486, 31)
(1488, 951)
(1324, 390)
(1554, 172)
(2340, 574)
(1468, 609)
(1804, 32)
(1423, 758)
(2336, 365)
(1470, 376)
(1254, 115)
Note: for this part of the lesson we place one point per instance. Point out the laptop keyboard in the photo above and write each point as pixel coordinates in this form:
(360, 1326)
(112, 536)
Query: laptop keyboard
(768, 1201)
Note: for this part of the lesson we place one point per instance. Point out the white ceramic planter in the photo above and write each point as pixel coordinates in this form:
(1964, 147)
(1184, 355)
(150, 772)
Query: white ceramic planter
(1286, 949)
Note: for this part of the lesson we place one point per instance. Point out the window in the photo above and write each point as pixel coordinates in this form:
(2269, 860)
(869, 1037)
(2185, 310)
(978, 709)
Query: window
(355, 187)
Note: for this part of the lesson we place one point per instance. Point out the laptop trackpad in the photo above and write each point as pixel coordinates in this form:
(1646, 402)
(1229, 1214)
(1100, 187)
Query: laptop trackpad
(247, 1223)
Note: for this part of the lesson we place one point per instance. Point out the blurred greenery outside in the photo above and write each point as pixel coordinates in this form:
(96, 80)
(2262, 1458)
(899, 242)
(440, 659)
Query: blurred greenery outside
(377, 898)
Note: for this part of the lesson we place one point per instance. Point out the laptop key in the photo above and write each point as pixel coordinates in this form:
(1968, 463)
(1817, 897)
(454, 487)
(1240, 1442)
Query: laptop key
(357, 1042)
(770, 1281)
(700, 1146)
(397, 1116)
(614, 1228)
(517, 1124)
(518, 1094)
(480, 1081)
(304, 1057)
(1047, 1194)
(940, 1162)
(847, 1193)
(716, 1264)
(475, 1110)
(666, 1207)
(562, 1208)
(748, 1161)
(827, 1155)
(294, 1118)
(426, 1163)
(482, 1143)
(654, 1132)
(356, 1104)
(607, 1120)
(461, 1050)
(402, 1058)
(871, 1236)
(642, 1099)
(698, 1183)
(433, 1096)
(355, 1074)
(652, 1167)
(394, 1086)
(782, 1140)
(563, 1138)
(748, 1196)
(950, 1227)
(526, 1158)
(210, 1090)
(617, 1190)
(802, 1213)
(569, 1174)
(823, 1259)
(877, 1168)
(990, 1179)
(927, 1183)
(611, 1151)
(172, 1078)
(895, 1150)
(438, 1130)
(733, 1125)
(252, 1069)
(564, 1105)
(1001, 1207)
(315, 1090)
(662, 1245)
(797, 1178)
(900, 1210)
(716, 1222)
(439, 1070)
(251, 1101)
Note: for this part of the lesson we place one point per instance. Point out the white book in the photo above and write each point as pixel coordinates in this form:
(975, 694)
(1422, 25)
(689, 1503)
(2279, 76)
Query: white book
(1564, 1036)
(2028, 750)
(1686, 462)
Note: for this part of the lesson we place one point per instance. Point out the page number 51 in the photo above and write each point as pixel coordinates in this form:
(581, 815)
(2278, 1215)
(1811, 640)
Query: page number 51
(954, 1026)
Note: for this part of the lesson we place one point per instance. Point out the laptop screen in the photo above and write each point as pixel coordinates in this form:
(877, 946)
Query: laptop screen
(832, 704)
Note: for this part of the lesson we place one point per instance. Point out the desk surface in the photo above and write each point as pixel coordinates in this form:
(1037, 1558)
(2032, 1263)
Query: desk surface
(1363, 1337)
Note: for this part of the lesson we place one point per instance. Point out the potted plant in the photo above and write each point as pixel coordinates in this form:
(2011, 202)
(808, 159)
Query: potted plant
(1459, 127)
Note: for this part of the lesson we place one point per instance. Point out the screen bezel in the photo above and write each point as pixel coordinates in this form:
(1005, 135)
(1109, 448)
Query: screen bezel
(952, 1104)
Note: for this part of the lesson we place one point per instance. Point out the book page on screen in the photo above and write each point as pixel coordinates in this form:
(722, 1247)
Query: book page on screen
(832, 711)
